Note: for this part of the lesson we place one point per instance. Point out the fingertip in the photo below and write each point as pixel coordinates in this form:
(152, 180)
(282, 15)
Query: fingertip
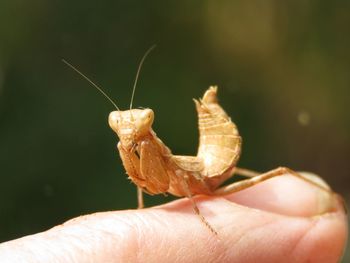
(287, 195)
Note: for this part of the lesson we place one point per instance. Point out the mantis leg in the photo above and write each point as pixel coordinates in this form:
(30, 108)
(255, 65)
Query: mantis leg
(238, 186)
(153, 168)
(245, 172)
(140, 203)
(194, 205)
(131, 163)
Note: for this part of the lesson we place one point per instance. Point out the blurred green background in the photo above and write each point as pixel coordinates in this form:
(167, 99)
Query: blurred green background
(283, 70)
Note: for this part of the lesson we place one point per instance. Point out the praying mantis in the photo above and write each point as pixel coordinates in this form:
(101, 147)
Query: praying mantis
(150, 164)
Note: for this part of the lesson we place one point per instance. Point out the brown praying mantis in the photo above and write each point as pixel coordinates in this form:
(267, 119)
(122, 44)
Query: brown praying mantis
(150, 164)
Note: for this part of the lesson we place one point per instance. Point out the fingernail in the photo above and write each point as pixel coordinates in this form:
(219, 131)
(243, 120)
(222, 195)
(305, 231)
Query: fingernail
(342, 203)
(327, 201)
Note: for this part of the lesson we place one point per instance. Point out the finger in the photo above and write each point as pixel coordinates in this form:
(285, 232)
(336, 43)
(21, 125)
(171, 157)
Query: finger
(287, 195)
(173, 233)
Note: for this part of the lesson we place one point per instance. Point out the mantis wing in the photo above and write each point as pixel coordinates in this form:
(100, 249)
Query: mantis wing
(153, 168)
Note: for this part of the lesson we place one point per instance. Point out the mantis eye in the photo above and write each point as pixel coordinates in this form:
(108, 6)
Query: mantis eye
(147, 115)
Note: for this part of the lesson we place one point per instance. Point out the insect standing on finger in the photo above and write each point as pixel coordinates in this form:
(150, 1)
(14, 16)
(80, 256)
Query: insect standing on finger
(150, 164)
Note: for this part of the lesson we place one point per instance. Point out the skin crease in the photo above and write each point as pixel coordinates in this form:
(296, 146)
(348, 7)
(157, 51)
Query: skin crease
(275, 221)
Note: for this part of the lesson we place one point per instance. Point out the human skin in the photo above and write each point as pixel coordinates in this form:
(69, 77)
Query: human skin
(283, 219)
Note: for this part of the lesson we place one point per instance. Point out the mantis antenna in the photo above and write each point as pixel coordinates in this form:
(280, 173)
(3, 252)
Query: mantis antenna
(91, 82)
(138, 73)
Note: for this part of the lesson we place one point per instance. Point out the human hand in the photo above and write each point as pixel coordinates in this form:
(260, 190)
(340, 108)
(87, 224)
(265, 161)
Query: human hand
(280, 220)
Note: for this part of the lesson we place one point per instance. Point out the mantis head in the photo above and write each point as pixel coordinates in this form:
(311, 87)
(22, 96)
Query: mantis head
(131, 125)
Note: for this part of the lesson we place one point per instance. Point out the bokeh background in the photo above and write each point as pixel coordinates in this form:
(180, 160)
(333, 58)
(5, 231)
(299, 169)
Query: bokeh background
(283, 70)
